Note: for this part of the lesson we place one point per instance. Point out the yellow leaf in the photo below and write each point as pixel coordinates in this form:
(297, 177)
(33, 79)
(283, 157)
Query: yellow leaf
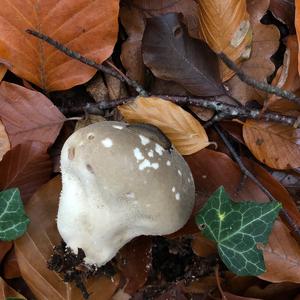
(184, 131)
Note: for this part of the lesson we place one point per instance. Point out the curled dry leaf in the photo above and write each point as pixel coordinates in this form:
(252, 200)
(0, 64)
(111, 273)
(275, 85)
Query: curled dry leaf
(225, 27)
(287, 77)
(171, 54)
(27, 166)
(89, 27)
(6, 292)
(184, 131)
(276, 145)
(281, 255)
(35, 247)
(284, 10)
(264, 45)
(133, 16)
(28, 115)
(4, 141)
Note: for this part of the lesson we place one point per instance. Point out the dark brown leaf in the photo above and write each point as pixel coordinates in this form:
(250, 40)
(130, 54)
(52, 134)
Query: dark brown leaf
(6, 291)
(133, 16)
(28, 115)
(27, 166)
(134, 261)
(172, 55)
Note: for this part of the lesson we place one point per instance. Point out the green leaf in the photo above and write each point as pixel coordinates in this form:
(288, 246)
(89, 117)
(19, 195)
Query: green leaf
(13, 221)
(237, 228)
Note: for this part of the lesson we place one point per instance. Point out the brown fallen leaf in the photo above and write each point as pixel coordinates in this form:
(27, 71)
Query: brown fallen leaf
(28, 115)
(4, 141)
(284, 10)
(4, 248)
(297, 27)
(171, 54)
(3, 70)
(211, 169)
(281, 256)
(273, 291)
(259, 66)
(35, 247)
(275, 145)
(27, 167)
(184, 131)
(7, 292)
(202, 246)
(225, 27)
(230, 296)
(10, 266)
(133, 16)
(89, 27)
(134, 261)
(287, 78)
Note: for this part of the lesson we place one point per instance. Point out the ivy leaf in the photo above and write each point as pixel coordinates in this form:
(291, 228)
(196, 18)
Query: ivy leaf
(13, 221)
(237, 228)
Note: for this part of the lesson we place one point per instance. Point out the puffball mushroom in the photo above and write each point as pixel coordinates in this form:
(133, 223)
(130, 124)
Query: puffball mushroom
(118, 183)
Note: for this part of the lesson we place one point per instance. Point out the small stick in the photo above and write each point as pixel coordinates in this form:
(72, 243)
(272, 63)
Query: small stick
(222, 109)
(73, 54)
(283, 213)
(260, 85)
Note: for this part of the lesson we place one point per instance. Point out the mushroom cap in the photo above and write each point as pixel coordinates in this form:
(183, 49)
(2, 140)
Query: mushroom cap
(119, 184)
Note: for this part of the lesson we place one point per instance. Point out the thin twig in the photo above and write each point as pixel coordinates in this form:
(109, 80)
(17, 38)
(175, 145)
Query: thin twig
(71, 53)
(226, 111)
(260, 85)
(284, 214)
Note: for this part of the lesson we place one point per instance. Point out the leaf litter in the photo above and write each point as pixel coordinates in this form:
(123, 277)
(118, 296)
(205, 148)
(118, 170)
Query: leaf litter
(159, 44)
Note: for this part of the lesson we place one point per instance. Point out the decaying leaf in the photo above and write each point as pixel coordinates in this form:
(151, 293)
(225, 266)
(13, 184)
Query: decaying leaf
(171, 54)
(28, 115)
(275, 145)
(184, 131)
(134, 261)
(35, 248)
(27, 166)
(89, 27)
(264, 45)
(6, 292)
(133, 16)
(282, 256)
(4, 141)
(225, 27)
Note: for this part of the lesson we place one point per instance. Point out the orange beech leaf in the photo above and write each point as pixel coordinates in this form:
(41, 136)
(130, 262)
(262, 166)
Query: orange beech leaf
(89, 27)
(28, 115)
(202, 246)
(35, 247)
(281, 256)
(264, 44)
(4, 141)
(225, 27)
(184, 131)
(276, 145)
(10, 266)
(27, 167)
(297, 27)
(7, 292)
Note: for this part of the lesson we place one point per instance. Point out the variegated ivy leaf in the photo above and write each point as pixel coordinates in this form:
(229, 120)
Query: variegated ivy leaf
(237, 228)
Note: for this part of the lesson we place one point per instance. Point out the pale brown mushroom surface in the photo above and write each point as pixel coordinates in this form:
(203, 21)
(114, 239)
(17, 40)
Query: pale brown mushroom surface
(118, 184)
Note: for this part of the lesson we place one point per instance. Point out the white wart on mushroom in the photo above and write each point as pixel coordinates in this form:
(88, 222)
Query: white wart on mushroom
(119, 183)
